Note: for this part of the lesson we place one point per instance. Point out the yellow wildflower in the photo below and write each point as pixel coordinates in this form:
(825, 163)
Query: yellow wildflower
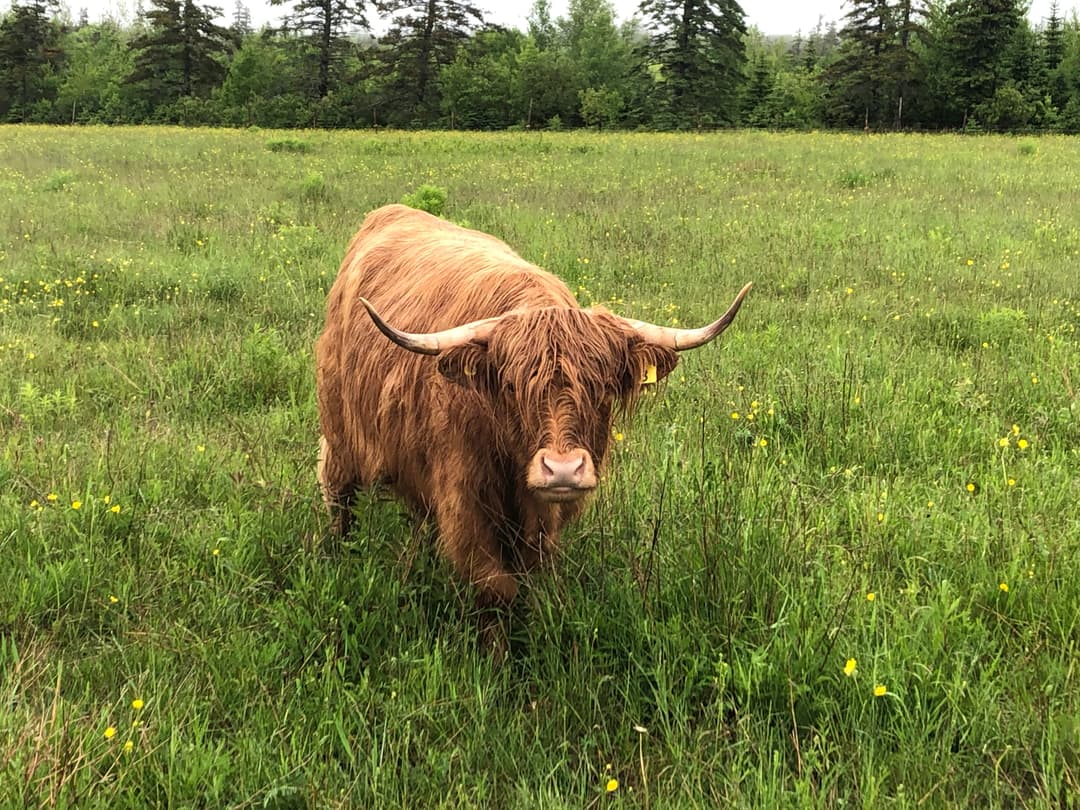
(110, 732)
(850, 667)
(880, 690)
(612, 785)
(137, 704)
(870, 597)
(1003, 587)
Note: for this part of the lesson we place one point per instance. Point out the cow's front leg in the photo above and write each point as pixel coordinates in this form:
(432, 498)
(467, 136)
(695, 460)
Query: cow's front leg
(470, 543)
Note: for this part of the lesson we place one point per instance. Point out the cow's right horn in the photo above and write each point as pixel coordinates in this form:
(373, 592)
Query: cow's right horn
(433, 342)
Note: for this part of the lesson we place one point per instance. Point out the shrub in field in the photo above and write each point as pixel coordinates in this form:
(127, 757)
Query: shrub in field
(59, 180)
(857, 178)
(1028, 148)
(854, 178)
(313, 188)
(427, 198)
(288, 145)
(1002, 324)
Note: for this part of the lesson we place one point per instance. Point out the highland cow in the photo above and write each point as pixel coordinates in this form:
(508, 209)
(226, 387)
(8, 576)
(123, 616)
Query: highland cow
(492, 414)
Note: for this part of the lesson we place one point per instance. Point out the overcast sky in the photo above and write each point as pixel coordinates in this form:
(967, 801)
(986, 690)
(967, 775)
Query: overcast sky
(770, 16)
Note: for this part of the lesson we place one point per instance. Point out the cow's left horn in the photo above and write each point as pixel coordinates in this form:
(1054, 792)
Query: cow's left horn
(433, 342)
(682, 339)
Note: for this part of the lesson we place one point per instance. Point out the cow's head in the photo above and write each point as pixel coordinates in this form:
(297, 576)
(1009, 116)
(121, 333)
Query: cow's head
(554, 377)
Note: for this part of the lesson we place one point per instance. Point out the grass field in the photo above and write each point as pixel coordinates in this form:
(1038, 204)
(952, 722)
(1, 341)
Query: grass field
(834, 561)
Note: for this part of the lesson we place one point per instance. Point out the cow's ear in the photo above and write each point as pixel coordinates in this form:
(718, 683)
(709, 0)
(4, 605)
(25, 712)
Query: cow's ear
(649, 364)
(468, 366)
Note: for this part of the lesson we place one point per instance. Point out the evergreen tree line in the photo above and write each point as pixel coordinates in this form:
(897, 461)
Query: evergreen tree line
(677, 64)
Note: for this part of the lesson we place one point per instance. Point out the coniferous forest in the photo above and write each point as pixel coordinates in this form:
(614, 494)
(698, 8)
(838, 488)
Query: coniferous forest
(977, 65)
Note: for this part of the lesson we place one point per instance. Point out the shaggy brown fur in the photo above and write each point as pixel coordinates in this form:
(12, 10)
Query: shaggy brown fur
(454, 434)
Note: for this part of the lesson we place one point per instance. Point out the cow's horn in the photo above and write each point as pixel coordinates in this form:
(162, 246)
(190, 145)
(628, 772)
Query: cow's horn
(433, 342)
(682, 339)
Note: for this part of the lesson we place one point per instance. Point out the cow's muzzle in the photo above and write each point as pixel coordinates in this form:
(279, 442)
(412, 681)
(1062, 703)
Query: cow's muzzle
(559, 477)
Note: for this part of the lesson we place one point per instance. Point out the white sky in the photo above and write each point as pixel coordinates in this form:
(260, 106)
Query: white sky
(770, 16)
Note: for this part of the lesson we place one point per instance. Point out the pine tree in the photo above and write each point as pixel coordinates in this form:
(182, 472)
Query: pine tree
(977, 36)
(761, 76)
(181, 53)
(322, 24)
(856, 79)
(241, 21)
(1052, 41)
(904, 64)
(877, 67)
(29, 52)
(698, 45)
(424, 38)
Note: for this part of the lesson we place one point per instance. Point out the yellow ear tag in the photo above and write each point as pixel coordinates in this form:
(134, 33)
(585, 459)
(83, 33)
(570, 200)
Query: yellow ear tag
(468, 371)
(648, 377)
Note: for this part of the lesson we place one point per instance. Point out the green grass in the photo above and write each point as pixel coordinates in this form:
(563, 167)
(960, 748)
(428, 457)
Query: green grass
(915, 299)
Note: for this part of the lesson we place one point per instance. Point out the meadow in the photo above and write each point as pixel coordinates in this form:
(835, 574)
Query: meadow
(833, 562)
